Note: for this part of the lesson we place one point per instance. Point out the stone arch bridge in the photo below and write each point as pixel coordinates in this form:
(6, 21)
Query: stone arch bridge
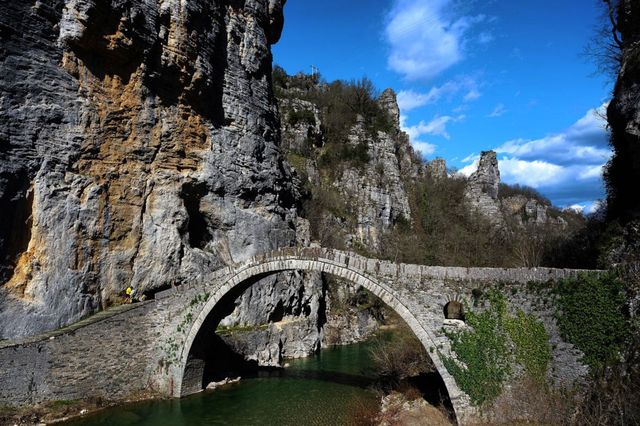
(147, 349)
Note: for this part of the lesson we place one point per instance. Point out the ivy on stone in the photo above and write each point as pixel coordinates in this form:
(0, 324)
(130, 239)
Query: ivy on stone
(487, 352)
(482, 362)
(531, 344)
(593, 316)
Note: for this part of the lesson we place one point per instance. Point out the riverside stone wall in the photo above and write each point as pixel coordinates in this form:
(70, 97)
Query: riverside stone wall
(106, 357)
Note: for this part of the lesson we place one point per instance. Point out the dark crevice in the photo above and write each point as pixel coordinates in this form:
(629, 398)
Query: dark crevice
(434, 391)
(197, 228)
(278, 313)
(16, 203)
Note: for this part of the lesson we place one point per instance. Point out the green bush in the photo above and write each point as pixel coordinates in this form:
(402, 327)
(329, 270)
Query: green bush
(531, 342)
(335, 154)
(506, 191)
(487, 353)
(593, 316)
(304, 116)
(484, 353)
(279, 77)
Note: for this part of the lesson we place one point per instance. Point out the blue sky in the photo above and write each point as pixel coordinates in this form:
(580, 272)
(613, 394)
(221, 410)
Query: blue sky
(473, 75)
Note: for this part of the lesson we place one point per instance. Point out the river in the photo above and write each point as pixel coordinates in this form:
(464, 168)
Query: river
(326, 389)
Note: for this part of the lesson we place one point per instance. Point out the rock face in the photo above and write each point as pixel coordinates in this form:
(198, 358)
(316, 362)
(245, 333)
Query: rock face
(372, 186)
(138, 145)
(375, 192)
(388, 101)
(482, 187)
(437, 168)
(516, 211)
(623, 115)
(282, 317)
(347, 321)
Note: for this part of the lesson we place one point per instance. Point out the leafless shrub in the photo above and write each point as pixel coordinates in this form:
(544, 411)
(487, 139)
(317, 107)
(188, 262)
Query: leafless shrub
(401, 357)
(530, 401)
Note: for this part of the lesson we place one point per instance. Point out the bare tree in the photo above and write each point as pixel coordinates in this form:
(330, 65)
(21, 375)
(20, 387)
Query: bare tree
(605, 47)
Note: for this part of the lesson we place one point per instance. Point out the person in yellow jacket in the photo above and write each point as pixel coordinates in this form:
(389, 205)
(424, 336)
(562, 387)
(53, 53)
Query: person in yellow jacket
(129, 293)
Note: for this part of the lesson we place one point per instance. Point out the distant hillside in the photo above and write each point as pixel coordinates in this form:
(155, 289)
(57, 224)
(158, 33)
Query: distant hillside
(364, 188)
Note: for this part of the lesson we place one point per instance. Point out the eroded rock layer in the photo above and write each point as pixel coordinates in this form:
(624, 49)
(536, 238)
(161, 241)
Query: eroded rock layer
(138, 147)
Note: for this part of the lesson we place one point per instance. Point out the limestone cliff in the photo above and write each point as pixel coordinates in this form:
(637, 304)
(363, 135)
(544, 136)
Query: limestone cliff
(521, 208)
(351, 160)
(623, 115)
(283, 317)
(482, 188)
(270, 323)
(138, 147)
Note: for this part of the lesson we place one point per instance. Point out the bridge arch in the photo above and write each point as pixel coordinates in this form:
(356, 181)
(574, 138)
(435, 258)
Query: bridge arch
(265, 265)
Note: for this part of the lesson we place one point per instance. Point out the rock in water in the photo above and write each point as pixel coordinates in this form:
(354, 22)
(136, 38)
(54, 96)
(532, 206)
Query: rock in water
(138, 147)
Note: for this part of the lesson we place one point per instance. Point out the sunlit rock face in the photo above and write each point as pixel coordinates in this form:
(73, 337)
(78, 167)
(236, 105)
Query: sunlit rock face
(508, 213)
(482, 188)
(138, 147)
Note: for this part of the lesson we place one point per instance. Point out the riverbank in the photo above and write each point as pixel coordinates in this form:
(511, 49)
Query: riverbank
(58, 412)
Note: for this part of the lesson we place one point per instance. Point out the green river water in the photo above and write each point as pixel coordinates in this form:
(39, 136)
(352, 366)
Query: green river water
(320, 390)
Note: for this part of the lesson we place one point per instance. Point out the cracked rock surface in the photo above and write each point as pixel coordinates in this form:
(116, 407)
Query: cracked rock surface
(138, 147)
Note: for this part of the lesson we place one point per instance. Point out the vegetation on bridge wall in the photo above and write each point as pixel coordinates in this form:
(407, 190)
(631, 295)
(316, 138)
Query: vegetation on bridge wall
(489, 351)
(593, 316)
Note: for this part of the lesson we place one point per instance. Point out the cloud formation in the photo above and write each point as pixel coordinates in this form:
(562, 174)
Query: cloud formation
(567, 167)
(436, 127)
(410, 99)
(497, 111)
(424, 39)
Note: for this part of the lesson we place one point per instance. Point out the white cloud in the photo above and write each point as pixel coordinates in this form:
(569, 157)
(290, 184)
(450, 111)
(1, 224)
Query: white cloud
(472, 158)
(535, 173)
(485, 37)
(497, 111)
(409, 99)
(424, 39)
(579, 208)
(592, 172)
(472, 95)
(531, 173)
(585, 142)
(469, 169)
(436, 127)
(567, 167)
(424, 148)
(586, 207)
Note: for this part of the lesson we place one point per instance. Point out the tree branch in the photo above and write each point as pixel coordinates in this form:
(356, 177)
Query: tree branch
(614, 24)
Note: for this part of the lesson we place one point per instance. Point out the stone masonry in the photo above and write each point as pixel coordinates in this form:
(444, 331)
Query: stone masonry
(146, 348)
